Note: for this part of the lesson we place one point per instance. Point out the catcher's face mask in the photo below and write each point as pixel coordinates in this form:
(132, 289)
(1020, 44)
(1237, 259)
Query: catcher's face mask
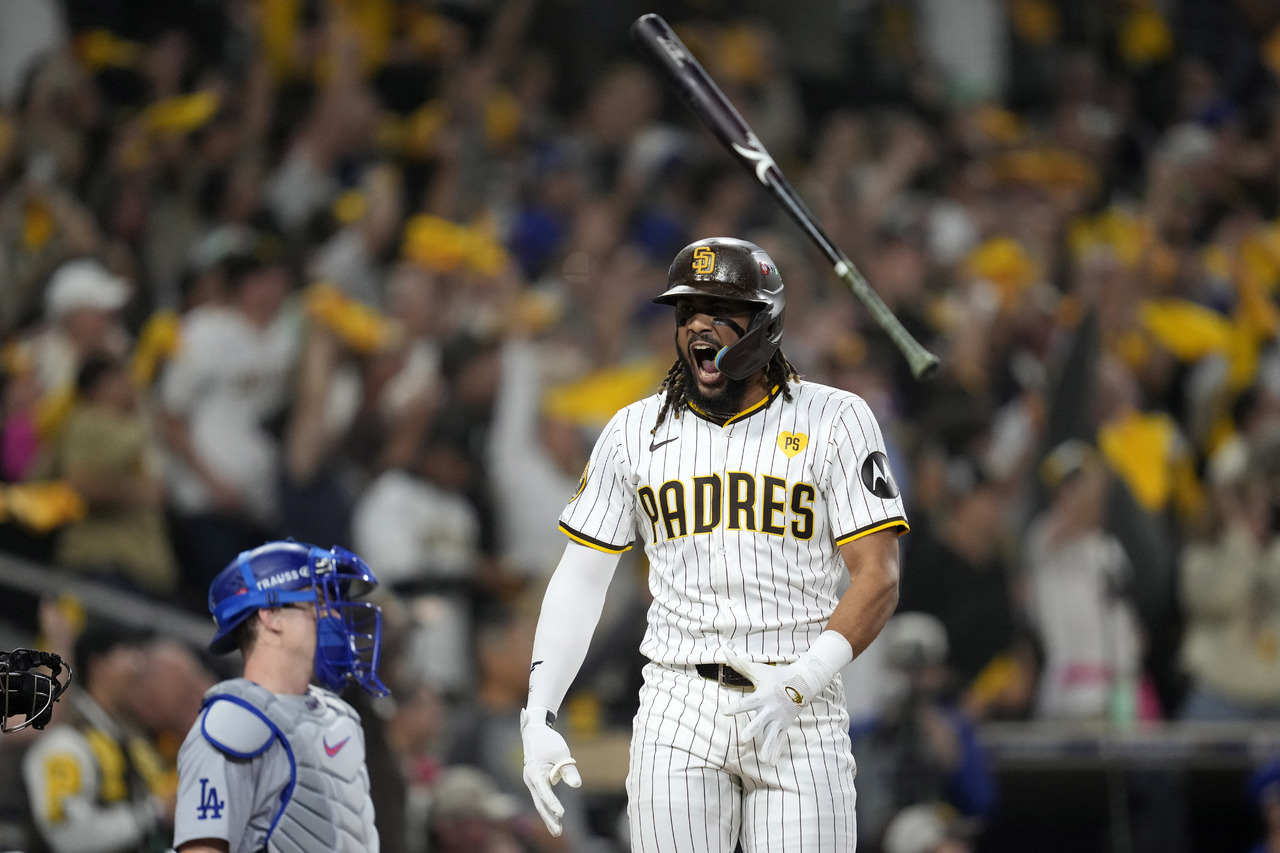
(348, 633)
(29, 682)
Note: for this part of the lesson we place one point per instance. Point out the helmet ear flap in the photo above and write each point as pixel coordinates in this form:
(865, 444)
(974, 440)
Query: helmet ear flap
(754, 349)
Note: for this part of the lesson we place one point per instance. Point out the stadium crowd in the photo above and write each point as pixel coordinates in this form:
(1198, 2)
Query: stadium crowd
(374, 273)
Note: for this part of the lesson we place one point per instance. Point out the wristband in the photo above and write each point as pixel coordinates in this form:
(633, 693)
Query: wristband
(829, 654)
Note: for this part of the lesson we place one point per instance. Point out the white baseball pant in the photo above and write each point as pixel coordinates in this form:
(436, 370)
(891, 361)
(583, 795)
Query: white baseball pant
(693, 787)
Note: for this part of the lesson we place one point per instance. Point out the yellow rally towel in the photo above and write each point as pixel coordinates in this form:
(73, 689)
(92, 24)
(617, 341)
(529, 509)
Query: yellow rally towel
(1145, 37)
(445, 246)
(1005, 263)
(182, 113)
(100, 49)
(41, 506)
(592, 400)
(159, 341)
(1187, 330)
(1141, 448)
(356, 324)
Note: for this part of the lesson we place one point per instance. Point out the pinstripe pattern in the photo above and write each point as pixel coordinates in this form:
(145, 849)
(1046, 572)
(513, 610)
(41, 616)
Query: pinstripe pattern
(742, 524)
(769, 594)
(694, 787)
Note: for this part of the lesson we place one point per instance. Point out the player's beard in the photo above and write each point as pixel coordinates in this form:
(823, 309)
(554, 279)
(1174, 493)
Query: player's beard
(724, 400)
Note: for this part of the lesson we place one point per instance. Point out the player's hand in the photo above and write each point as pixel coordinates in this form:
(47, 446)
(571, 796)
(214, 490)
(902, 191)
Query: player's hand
(781, 691)
(546, 762)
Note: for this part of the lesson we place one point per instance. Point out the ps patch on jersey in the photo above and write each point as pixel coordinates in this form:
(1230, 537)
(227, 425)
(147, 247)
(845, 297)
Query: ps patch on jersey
(877, 477)
(792, 443)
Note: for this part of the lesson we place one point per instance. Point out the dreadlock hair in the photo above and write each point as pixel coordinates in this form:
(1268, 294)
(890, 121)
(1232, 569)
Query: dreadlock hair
(778, 372)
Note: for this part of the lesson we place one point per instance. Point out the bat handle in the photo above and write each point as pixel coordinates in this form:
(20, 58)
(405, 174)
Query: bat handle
(923, 363)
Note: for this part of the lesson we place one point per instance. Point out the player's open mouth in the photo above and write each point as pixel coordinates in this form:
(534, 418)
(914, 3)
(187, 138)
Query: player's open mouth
(703, 357)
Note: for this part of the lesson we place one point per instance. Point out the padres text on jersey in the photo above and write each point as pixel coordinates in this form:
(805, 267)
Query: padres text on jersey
(742, 523)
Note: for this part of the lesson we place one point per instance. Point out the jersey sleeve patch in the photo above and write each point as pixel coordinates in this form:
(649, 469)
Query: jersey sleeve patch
(900, 523)
(582, 482)
(584, 539)
(236, 728)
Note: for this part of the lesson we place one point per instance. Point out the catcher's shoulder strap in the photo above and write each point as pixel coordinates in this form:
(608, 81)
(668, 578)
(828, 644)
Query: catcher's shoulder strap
(235, 718)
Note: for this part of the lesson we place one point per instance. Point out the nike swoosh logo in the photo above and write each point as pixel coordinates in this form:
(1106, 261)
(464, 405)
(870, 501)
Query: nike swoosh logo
(331, 751)
(654, 445)
(535, 666)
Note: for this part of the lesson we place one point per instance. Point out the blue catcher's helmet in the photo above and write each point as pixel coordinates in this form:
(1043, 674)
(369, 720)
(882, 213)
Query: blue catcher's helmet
(348, 633)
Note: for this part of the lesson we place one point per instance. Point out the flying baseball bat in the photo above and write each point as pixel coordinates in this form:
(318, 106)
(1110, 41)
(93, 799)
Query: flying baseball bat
(664, 48)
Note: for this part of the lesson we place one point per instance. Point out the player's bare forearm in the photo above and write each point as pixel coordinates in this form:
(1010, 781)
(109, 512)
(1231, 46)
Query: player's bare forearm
(873, 589)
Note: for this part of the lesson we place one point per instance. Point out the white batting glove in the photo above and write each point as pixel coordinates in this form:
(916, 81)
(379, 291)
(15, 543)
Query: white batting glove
(782, 691)
(546, 762)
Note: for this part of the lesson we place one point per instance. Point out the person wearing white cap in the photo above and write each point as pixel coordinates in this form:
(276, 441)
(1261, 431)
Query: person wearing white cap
(926, 828)
(82, 301)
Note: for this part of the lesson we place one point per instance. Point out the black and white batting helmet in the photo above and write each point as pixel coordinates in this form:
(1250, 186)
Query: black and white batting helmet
(734, 270)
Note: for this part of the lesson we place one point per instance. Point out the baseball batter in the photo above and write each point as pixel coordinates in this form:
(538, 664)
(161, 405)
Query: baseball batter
(754, 494)
(275, 763)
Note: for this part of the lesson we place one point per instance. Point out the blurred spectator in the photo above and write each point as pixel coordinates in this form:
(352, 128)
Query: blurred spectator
(414, 732)
(108, 454)
(1077, 581)
(93, 780)
(536, 458)
(487, 734)
(82, 302)
(470, 815)
(918, 747)
(352, 258)
(423, 536)
(954, 568)
(217, 400)
(167, 701)
(927, 828)
(471, 368)
(1230, 587)
(402, 383)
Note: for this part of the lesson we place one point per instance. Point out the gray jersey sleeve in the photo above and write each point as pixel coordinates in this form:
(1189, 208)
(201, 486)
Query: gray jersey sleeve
(224, 797)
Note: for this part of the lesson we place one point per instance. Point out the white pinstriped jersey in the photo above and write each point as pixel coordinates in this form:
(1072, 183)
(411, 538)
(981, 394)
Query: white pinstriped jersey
(741, 523)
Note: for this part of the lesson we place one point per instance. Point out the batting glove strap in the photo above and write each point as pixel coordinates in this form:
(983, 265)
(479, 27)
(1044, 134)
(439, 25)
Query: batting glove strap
(782, 691)
(546, 762)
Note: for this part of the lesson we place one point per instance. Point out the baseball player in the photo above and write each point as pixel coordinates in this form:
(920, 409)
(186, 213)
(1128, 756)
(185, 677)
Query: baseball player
(275, 763)
(93, 779)
(755, 495)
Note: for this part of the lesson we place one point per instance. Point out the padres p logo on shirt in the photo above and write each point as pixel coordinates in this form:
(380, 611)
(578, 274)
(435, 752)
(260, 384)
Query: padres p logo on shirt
(704, 260)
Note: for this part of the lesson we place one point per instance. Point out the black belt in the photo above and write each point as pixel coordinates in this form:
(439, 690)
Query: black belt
(722, 673)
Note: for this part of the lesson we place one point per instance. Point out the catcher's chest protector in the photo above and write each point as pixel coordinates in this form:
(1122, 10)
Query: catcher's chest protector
(327, 805)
